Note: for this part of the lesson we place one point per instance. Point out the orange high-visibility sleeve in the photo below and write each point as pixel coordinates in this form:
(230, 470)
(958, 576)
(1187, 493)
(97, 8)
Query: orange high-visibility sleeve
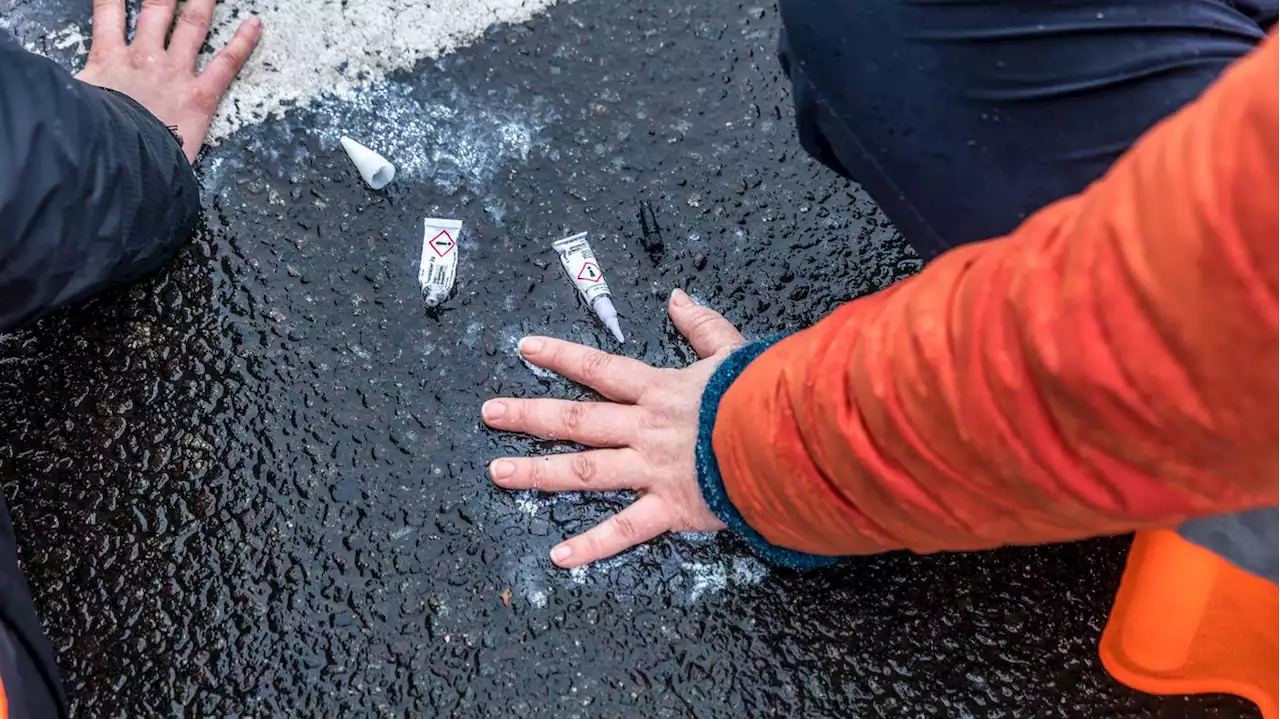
(1186, 621)
(1111, 365)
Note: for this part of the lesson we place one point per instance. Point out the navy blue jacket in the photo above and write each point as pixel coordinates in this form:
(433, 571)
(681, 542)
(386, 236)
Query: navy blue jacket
(94, 192)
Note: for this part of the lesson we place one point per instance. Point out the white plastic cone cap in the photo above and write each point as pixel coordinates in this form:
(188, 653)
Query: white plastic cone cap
(374, 168)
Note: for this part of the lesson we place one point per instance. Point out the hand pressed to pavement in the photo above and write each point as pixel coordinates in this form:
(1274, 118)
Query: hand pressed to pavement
(163, 78)
(644, 437)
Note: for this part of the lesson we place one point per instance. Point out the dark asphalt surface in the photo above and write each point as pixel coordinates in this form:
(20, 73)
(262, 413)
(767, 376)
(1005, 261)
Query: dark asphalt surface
(255, 485)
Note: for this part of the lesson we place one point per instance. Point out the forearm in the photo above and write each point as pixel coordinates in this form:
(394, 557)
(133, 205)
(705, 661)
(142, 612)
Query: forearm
(1108, 366)
(94, 191)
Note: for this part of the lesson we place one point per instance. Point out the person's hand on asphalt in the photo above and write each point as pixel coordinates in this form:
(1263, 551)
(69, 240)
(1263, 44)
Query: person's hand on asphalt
(162, 77)
(644, 437)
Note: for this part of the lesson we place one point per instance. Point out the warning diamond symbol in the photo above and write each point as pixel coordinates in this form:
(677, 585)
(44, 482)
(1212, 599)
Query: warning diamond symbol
(590, 272)
(443, 243)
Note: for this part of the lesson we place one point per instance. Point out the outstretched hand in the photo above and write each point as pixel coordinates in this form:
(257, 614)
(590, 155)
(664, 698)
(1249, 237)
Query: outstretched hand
(162, 77)
(644, 437)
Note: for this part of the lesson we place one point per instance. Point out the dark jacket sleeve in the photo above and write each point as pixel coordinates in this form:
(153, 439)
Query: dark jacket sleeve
(94, 190)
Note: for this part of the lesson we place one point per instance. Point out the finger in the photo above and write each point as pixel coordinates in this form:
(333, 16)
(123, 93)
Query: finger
(707, 330)
(191, 31)
(599, 470)
(108, 24)
(596, 424)
(618, 378)
(643, 520)
(154, 20)
(223, 68)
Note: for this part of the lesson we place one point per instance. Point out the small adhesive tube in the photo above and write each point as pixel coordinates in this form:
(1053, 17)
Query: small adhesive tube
(374, 168)
(439, 266)
(580, 262)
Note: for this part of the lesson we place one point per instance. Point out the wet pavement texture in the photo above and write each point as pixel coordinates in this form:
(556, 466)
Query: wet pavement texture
(255, 485)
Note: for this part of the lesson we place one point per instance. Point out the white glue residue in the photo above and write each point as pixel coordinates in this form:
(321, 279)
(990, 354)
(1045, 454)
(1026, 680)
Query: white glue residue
(511, 337)
(715, 577)
(535, 369)
(706, 572)
(583, 575)
(454, 144)
(528, 504)
(472, 333)
(748, 571)
(69, 38)
(705, 578)
(66, 42)
(453, 139)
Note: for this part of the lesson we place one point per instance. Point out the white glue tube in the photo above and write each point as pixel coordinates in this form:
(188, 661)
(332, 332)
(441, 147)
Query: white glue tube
(439, 266)
(580, 262)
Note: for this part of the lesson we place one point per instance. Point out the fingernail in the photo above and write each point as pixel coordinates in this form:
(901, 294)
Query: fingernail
(502, 468)
(681, 299)
(254, 22)
(561, 553)
(493, 409)
(530, 345)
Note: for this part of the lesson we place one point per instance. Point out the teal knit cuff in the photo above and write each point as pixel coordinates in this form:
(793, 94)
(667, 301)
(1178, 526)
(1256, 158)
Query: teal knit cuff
(712, 484)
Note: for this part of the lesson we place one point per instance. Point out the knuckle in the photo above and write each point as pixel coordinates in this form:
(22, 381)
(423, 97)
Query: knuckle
(517, 412)
(658, 392)
(584, 469)
(571, 417)
(703, 321)
(232, 58)
(202, 98)
(595, 365)
(196, 19)
(594, 548)
(554, 353)
(537, 473)
(652, 419)
(625, 528)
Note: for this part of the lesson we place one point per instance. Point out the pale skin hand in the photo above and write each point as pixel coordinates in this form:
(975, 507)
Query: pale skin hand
(160, 77)
(644, 437)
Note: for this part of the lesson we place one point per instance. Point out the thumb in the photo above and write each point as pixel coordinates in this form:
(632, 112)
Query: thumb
(707, 330)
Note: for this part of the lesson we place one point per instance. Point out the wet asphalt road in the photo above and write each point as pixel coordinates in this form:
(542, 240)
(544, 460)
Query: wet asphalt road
(255, 484)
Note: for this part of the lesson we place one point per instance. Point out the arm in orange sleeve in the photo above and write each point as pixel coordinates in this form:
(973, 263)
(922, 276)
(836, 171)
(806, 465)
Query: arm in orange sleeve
(1111, 365)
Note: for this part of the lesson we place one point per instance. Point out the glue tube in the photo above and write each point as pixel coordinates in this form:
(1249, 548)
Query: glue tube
(439, 265)
(580, 262)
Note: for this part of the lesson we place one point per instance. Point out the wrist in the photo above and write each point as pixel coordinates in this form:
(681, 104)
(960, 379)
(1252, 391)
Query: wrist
(712, 484)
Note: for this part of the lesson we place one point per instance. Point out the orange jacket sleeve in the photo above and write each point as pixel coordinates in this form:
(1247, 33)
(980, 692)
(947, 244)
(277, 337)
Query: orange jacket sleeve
(1110, 365)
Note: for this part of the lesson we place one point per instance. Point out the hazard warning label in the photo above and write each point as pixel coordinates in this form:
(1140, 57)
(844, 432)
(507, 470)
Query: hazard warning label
(590, 273)
(443, 243)
(439, 265)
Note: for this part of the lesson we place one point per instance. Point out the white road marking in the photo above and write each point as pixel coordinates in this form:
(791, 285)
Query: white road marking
(312, 48)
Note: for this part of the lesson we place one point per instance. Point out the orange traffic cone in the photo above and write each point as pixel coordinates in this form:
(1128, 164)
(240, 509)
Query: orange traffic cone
(1186, 621)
